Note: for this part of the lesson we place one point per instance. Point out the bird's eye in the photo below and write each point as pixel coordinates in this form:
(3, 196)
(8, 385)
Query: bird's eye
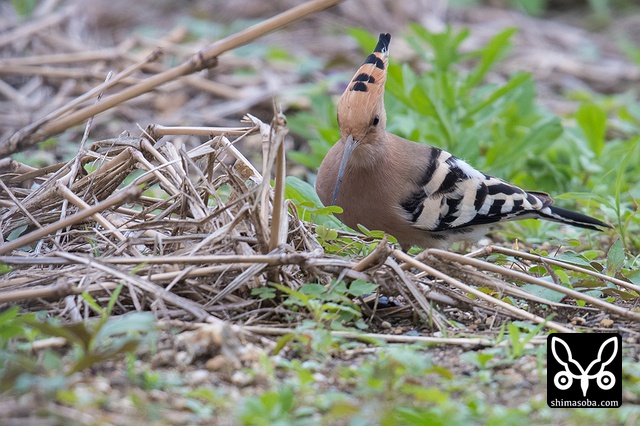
(376, 120)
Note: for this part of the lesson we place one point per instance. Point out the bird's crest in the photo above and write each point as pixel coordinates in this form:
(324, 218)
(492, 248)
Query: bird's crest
(363, 97)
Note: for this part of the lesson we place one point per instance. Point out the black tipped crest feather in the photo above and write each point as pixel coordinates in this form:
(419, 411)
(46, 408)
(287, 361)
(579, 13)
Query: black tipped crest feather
(383, 43)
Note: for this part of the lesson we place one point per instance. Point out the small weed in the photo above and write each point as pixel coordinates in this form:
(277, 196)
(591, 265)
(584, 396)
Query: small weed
(517, 341)
(331, 307)
(91, 342)
(272, 408)
(24, 8)
(477, 358)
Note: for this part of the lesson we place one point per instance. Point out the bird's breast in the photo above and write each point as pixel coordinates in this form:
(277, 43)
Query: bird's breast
(370, 192)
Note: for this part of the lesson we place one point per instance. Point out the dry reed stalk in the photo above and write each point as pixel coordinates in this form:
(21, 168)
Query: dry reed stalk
(467, 289)
(431, 315)
(63, 58)
(98, 217)
(480, 279)
(279, 223)
(22, 32)
(156, 131)
(392, 338)
(55, 291)
(626, 313)
(565, 265)
(276, 258)
(19, 205)
(212, 87)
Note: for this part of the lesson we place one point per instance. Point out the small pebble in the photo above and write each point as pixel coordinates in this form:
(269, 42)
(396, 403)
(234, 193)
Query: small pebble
(183, 358)
(240, 378)
(606, 322)
(578, 321)
(102, 384)
(198, 377)
(216, 363)
(319, 377)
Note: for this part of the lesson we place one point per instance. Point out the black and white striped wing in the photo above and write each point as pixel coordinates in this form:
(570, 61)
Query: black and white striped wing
(453, 195)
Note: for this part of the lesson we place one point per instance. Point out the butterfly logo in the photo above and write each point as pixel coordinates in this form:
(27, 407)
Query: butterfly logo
(564, 379)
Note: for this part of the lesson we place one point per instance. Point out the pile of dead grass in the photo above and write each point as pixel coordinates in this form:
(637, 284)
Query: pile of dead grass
(93, 230)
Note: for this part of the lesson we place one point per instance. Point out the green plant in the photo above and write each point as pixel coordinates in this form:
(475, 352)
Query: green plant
(273, 408)
(321, 135)
(517, 341)
(477, 358)
(308, 204)
(24, 8)
(91, 342)
(332, 306)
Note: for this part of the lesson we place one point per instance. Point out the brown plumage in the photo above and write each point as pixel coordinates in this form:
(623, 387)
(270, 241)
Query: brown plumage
(421, 195)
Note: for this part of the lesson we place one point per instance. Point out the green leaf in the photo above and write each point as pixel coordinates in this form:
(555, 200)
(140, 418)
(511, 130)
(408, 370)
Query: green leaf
(531, 7)
(479, 359)
(24, 8)
(264, 292)
(282, 342)
(495, 50)
(4, 269)
(633, 276)
(299, 190)
(326, 234)
(92, 303)
(516, 81)
(574, 258)
(309, 205)
(312, 289)
(544, 292)
(445, 45)
(132, 322)
(113, 299)
(361, 287)
(91, 358)
(615, 258)
(10, 324)
(74, 333)
(593, 121)
(294, 294)
(9, 315)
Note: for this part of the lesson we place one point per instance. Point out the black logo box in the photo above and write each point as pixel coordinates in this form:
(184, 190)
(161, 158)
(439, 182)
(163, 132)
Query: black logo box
(584, 370)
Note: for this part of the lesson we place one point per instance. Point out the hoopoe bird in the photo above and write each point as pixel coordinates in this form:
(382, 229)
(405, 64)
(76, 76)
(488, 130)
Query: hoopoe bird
(420, 194)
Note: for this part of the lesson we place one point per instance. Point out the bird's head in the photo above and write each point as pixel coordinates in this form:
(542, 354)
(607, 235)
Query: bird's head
(361, 110)
(361, 114)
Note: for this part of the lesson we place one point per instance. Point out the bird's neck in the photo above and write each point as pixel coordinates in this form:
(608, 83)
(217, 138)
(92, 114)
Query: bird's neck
(372, 152)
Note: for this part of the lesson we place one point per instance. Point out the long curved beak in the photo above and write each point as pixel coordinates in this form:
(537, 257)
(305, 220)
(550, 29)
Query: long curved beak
(349, 146)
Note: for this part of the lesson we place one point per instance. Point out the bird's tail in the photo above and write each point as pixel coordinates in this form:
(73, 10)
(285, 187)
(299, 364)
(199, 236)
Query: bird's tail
(569, 217)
